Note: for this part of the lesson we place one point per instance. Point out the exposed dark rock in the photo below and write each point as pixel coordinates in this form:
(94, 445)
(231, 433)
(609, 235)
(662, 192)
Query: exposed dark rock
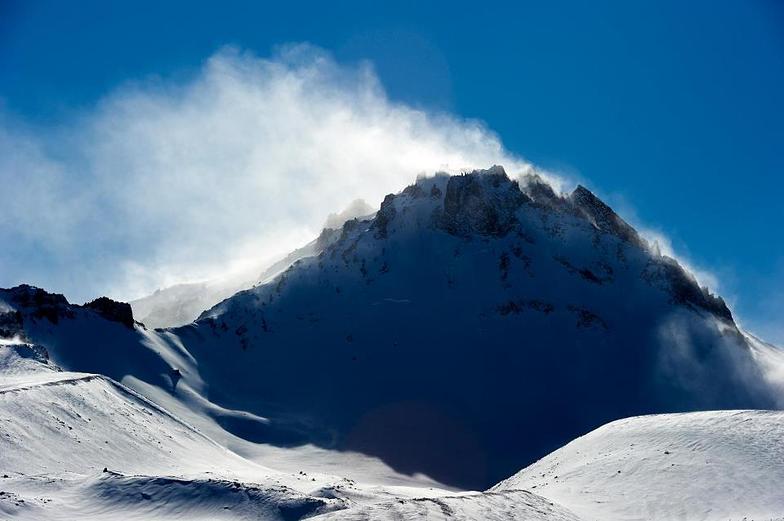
(602, 216)
(39, 303)
(384, 216)
(541, 193)
(349, 226)
(585, 273)
(326, 237)
(414, 191)
(32, 297)
(518, 306)
(587, 318)
(589, 276)
(666, 273)
(11, 324)
(112, 310)
(35, 352)
(482, 202)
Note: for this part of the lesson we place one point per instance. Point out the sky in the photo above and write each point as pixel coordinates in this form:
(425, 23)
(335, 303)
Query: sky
(143, 143)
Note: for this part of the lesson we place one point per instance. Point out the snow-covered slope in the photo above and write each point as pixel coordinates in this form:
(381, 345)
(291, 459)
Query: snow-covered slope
(83, 446)
(488, 506)
(103, 339)
(63, 422)
(697, 466)
(80, 445)
(487, 321)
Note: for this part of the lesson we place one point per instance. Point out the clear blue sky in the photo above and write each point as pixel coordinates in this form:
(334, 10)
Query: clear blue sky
(672, 110)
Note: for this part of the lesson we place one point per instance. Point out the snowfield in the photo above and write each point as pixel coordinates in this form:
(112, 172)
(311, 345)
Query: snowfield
(489, 506)
(82, 446)
(714, 465)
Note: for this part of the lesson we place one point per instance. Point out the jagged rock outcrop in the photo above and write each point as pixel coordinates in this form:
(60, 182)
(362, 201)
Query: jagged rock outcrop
(602, 216)
(11, 324)
(481, 203)
(384, 215)
(37, 302)
(666, 273)
(28, 301)
(112, 310)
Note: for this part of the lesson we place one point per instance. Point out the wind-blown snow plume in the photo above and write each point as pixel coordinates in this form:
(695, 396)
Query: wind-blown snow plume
(164, 181)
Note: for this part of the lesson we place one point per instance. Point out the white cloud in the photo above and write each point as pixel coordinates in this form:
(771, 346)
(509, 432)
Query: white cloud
(166, 181)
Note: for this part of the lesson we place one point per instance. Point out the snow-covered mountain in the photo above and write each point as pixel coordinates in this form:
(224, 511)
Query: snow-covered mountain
(486, 320)
(473, 325)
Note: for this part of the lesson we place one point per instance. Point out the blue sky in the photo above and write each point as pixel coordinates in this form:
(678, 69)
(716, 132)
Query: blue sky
(672, 112)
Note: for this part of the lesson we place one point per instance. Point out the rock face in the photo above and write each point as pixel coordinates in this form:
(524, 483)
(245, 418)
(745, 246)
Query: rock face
(470, 327)
(602, 216)
(481, 203)
(112, 310)
(11, 324)
(684, 288)
(385, 214)
(26, 299)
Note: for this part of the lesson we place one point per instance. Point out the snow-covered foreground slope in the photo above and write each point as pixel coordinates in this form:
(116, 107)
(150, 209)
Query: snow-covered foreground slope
(714, 465)
(488, 506)
(77, 422)
(82, 446)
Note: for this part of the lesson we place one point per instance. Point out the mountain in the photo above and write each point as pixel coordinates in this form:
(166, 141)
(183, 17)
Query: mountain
(474, 324)
(182, 303)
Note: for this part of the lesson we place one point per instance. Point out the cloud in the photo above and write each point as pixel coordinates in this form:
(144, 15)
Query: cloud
(164, 181)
